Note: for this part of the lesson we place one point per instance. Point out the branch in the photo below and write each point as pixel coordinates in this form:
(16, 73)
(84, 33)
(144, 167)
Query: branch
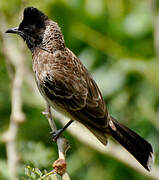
(156, 35)
(17, 116)
(62, 144)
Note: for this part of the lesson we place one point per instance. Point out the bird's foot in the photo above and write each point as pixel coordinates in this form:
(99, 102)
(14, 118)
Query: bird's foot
(56, 134)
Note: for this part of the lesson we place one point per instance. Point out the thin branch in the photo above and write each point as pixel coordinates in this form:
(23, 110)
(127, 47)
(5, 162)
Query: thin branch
(62, 144)
(17, 116)
(156, 35)
(48, 115)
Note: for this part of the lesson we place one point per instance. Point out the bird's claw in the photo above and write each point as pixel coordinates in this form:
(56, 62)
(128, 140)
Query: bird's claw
(56, 134)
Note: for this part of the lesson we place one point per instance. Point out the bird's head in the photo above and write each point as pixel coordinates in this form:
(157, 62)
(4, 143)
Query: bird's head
(39, 31)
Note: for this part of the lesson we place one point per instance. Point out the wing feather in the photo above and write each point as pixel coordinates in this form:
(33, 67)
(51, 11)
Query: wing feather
(70, 84)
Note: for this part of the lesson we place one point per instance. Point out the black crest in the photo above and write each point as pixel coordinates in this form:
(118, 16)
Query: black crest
(33, 16)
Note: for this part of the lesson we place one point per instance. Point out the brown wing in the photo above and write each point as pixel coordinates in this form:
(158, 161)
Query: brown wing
(70, 85)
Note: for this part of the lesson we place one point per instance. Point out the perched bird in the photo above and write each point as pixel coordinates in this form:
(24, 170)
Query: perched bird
(68, 87)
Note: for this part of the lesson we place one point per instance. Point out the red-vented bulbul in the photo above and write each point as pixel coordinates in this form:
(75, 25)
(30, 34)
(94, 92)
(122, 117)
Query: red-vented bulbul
(68, 87)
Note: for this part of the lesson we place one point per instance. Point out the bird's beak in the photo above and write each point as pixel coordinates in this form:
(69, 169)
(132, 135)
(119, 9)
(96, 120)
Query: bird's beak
(13, 30)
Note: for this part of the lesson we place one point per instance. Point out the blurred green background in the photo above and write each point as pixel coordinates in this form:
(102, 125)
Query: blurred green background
(118, 41)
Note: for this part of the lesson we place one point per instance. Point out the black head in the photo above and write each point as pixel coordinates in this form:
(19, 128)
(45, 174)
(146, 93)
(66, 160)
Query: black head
(32, 27)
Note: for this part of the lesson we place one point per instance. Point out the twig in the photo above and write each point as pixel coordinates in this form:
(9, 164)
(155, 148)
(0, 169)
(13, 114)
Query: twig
(48, 115)
(48, 174)
(60, 164)
(156, 35)
(17, 116)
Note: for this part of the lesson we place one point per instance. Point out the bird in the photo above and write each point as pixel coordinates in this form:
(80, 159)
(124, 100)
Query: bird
(68, 87)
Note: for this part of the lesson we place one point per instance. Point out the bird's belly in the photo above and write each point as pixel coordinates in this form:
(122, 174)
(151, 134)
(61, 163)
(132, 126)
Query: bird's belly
(50, 99)
(59, 108)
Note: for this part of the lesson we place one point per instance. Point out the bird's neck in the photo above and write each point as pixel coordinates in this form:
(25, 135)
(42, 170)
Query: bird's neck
(53, 39)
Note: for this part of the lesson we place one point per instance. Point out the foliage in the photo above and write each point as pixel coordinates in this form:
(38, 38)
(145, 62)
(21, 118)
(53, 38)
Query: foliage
(36, 174)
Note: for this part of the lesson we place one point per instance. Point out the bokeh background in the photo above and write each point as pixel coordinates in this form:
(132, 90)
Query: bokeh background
(118, 41)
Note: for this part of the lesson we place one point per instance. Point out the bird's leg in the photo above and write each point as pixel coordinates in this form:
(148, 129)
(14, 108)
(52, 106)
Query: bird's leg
(57, 133)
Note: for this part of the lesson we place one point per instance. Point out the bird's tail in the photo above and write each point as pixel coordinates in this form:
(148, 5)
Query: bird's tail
(132, 142)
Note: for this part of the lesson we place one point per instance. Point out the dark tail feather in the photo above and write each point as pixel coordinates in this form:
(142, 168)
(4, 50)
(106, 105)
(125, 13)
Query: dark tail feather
(135, 144)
